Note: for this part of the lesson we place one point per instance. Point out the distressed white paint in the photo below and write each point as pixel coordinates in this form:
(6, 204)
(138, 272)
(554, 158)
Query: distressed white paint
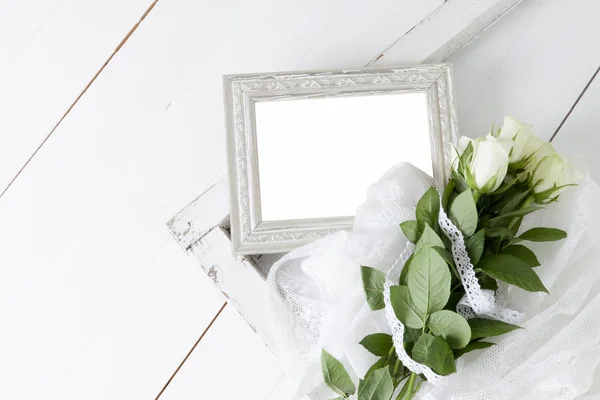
(453, 25)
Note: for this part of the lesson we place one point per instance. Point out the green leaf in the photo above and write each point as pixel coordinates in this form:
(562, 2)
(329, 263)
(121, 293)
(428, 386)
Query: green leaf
(378, 344)
(492, 246)
(381, 363)
(498, 232)
(445, 254)
(428, 208)
(487, 282)
(523, 253)
(378, 386)
(463, 213)
(547, 194)
(475, 245)
(543, 235)
(411, 230)
(513, 214)
(448, 193)
(434, 352)
(428, 238)
(451, 326)
(335, 375)
(411, 335)
(405, 270)
(404, 308)
(453, 300)
(512, 270)
(471, 347)
(460, 183)
(428, 281)
(481, 327)
(373, 282)
(510, 202)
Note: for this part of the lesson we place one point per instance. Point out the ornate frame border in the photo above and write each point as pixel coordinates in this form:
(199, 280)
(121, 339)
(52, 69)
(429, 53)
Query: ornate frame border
(251, 235)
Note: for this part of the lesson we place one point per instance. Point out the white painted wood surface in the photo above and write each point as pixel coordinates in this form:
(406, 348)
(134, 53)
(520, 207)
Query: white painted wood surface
(581, 132)
(526, 67)
(97, 300)
(224, 366)
(49, 51)
(453, 25)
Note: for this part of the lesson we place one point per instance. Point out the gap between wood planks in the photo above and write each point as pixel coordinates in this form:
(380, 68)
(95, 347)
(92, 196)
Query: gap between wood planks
(575, 104)
(115, 51)
(191, 350)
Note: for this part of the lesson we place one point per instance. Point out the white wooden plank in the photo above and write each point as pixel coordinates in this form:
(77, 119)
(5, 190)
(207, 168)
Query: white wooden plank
(446, 30)
(85, 219)
(203, 214)
(579, 134)
(362, 30)
(524, 66)
(49, 51)
(237, 278)
(152, 326)
(229, 364)
(284, 389)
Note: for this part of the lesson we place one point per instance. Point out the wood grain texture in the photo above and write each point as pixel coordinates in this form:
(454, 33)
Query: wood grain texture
(524, 66)
(94, 307)
(49, 51)
(451, 26)
(225, 365)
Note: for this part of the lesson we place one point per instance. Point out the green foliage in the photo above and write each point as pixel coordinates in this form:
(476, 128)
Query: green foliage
(543, 235)
(412, 230)
(428, 282)
(377, 386)
(522, 253)
(478, 345)
(434, 352)
(373, 283)
(428, 238)
(336, 376)
(463, 213)
(513, 270)
(404, 307)
(448, 194)
(451, 326)
(482, 328)
(428, 208)
(378, 344)
(475, 246)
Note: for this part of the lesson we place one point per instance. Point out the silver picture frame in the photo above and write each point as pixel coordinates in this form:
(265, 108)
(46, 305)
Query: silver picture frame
(249, 233)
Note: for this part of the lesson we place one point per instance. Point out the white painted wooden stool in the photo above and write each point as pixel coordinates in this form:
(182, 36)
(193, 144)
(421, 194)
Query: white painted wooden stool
(202, 228)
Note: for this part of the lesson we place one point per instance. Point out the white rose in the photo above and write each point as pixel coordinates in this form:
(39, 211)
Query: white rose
(519, 133)
(552, 174)
(489, 163)
(532, 145)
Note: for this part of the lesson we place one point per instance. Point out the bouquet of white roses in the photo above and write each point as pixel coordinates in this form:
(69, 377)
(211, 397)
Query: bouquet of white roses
(440, 295)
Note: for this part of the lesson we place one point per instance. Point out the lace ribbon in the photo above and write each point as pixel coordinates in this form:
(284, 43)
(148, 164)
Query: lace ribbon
(476, 302)
(396, 326)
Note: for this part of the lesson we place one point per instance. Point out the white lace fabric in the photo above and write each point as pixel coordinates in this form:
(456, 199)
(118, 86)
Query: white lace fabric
(316, 301)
